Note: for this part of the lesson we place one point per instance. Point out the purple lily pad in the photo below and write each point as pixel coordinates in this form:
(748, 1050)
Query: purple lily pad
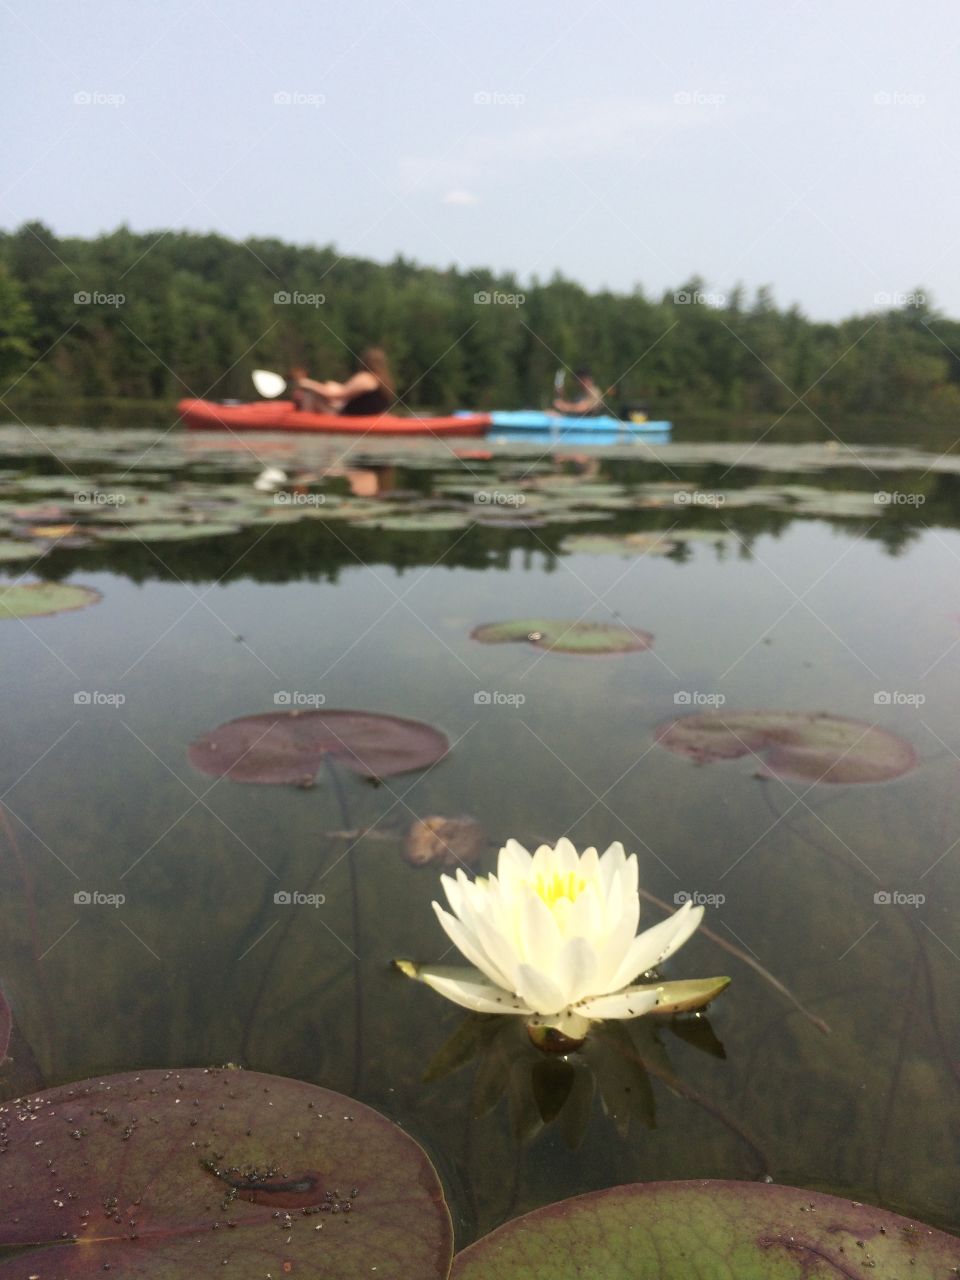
(170, 1175)
(682, 1230)
(797, 745)
(280, 747)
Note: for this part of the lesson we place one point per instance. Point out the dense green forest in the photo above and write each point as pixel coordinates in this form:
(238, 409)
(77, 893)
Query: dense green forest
(163, 315)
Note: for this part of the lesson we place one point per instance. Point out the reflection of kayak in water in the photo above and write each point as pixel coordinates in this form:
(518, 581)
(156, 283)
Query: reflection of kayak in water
(280, 415)
(538, 420)
(577, 435)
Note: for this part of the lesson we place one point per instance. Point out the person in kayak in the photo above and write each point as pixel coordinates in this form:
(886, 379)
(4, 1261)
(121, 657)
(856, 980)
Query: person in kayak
(368, 391)
(589, 400)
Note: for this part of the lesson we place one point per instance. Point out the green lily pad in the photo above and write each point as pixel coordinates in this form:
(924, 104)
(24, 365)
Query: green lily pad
(12, 551)
(709, 1231)
(565, 637)
(170, 1175)
(798, 745)
(37, 599)
(424, 522)
(620, 544)
(166, 531)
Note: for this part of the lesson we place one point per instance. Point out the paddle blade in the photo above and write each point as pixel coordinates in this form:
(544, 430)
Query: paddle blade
(269, 385)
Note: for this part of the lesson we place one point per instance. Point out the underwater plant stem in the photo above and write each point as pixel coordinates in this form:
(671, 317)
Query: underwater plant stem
(354, 926)
(747, 959)
(26, 880)
(687, 1091)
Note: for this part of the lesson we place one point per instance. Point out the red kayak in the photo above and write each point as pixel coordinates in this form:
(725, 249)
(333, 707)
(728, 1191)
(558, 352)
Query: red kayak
(280, 415)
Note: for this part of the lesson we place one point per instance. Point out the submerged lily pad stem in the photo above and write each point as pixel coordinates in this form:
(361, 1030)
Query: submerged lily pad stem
(747, 959)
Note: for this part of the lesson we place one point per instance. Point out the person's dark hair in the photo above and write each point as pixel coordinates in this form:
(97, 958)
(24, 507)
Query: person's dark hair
(583, 372)
(374, 360)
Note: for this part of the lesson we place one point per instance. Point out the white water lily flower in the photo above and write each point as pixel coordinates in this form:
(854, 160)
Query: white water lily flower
(553, 937)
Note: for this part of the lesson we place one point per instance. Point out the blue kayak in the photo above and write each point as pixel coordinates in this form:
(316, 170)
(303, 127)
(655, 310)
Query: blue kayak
(576, 435)
(540, 421)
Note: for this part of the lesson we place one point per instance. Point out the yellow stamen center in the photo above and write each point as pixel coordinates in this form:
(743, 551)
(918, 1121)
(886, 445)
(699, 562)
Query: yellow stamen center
(551, 888)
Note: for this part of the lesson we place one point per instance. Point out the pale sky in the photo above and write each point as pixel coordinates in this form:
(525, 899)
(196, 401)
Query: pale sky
(811, 145)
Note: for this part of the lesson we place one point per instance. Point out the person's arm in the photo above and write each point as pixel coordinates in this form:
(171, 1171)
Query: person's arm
(354, 386)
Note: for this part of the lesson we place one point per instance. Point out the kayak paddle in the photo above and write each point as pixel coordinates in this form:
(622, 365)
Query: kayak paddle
(269, 385)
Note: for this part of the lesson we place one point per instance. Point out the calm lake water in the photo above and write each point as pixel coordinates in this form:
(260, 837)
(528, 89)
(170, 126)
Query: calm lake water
(798, 591)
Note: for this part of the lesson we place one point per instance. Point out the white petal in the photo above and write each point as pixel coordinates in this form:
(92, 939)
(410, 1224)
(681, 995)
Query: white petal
(513, 858)
(470, 990)
(540, 939)
(467, 943)
(576, 969)
(632, 1002)
(565, 857)
(538, 991)
(585, 918)
(590, 865)
(614, 947)
(654, 945)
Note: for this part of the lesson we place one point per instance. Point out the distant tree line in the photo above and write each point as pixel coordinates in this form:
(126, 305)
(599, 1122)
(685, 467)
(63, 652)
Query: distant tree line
(162, 315)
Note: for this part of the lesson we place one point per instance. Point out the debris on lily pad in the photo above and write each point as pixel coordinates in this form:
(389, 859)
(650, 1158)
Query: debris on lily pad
(445, 842)
(566, 637)
(800, 746)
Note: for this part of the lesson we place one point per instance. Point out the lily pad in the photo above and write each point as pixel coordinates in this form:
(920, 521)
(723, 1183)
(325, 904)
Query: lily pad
(704, 1230)
(424, 522)
(166, 531)
(177, 1174)
(620, 544)
(12, 551)
(37, 599)
(280, 747)
(797, 745)
(445, 842)
(565, 637)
